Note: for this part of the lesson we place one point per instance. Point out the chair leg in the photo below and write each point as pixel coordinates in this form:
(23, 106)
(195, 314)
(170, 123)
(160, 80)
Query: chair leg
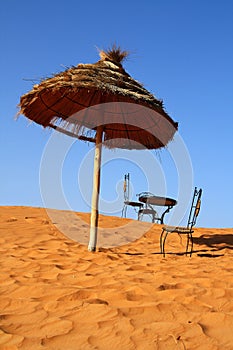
(153, 218)
(123, 213)
(189, 243)
(191, 239)
(164, 240)
(161, 242)
(164, 243)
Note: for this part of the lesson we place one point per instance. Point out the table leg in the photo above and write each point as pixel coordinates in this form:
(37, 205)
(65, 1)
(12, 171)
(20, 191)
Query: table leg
(165, 212)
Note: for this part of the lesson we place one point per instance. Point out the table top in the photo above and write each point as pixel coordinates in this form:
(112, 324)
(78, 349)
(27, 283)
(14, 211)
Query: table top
(156, 200)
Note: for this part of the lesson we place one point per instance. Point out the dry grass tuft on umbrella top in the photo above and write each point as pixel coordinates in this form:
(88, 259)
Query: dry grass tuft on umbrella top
(115, 54)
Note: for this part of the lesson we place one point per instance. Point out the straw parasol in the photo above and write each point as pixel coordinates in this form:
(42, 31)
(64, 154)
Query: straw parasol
(96, 103)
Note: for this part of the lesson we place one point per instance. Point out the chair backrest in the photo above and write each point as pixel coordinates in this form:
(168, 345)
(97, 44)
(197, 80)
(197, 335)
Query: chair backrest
(126, 187)
(195, 207)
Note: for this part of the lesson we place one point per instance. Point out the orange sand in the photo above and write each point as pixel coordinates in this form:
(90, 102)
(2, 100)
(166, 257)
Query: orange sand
(57, 295)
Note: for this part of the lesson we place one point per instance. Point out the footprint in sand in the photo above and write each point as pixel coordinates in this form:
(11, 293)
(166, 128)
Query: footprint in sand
(11, 219)
(79, 295)
(131, 296)
(84, 296)
(35, 219)
(96, 301)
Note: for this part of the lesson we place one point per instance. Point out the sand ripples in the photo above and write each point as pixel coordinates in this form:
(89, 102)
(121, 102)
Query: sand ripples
(56, 295)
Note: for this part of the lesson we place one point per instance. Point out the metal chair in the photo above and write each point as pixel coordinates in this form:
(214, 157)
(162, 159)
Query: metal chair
(194, 211)
(135, 205)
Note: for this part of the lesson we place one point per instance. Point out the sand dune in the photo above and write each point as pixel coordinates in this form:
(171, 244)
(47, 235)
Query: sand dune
(57, 295)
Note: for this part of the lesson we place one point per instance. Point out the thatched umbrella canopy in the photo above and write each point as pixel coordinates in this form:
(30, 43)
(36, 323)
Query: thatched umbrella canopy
(88, 102)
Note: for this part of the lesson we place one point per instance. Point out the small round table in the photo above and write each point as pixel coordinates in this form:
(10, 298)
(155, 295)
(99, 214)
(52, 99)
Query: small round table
(151, 200)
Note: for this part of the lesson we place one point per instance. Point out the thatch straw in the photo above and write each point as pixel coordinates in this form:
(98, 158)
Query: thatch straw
(70, 92)
(114, 54)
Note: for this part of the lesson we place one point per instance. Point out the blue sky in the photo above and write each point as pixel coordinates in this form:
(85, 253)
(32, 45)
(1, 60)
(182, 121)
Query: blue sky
(181, 50)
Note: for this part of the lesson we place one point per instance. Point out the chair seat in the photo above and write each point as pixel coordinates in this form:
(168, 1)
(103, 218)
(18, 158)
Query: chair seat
(177, 229)
(147, 211)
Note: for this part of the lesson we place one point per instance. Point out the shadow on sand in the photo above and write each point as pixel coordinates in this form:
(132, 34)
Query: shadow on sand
(216, 241)
(209, 245)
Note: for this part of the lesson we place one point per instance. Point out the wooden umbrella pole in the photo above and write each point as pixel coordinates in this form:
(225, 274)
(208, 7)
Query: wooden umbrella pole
(95, 191)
